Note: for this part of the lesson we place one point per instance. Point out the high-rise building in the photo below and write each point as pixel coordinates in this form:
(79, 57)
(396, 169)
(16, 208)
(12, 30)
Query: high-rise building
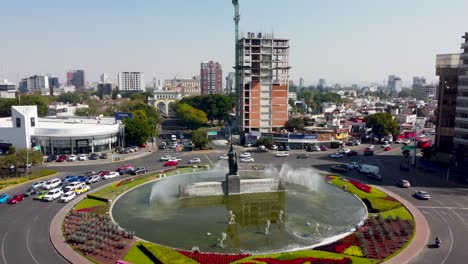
(460, 139)
(7, 90)
(76, 78)
(54, 82)
(104, 89)
(231, 83)
(264, 80)
(447, 68)
(322, 83)
(211, 78)
(394, 84)
(131, 82)
(301, 82)
(35, 83)
(419, 81)
(186, 87)
(103, 78)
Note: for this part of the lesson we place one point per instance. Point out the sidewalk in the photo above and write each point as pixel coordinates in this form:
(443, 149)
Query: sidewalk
(420, 238)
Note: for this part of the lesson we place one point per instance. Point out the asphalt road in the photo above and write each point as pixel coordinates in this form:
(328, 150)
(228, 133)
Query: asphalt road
(24, 228)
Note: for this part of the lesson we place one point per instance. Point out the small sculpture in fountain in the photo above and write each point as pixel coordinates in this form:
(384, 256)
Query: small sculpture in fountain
(280, 216)
(221, 240)
(232, 218)
(267, 227)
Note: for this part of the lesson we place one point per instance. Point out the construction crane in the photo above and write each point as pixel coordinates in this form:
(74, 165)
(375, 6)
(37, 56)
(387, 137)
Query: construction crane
(237, 66)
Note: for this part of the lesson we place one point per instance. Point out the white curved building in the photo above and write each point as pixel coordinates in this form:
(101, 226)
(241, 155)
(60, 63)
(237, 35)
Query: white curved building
(24, 129)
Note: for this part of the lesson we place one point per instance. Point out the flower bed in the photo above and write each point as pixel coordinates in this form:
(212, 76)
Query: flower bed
(310, 260)
(361, 186)
(212, 258)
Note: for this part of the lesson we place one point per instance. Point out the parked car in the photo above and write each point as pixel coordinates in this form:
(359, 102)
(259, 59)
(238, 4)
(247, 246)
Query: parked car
(142, 145)
(52, 195)
(171, 163)
(287, 148)
(245, 155)
(224, 157)
(103, 156)
(68, 196)
(31, 191)
(128, 170)
(274, 147)
(247, 160)
(123, 167)
(82, 189)
(71, 178)
(51, 184)
(194, 160)
(403, 183)
(93, 156)
(162, 147)
(40, 195)
(93, 179)
(82, 157)
(135, 148)
(422, 195)
(51, 158)
(72, 186)
(336, 155)
(353, 165)
(111, 175)
(282, 154)
(352, 153)
(61, 158)
(139, 171)
(103, 173)
(261, 147)
(248, 145)
(302, 156)
(4, 198)
(399, 141)
(387, 148)
(339, 168)
(72, 157)
(165, 158)
(370, 147)
(83, 178)
(323, 148)
(16, 199)
(368, 152)
(374, 176)
(37, 184)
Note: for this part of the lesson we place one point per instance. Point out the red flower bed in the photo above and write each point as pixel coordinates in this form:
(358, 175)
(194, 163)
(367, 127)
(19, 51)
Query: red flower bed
(125, 181)
(341, 247)
(86, 210)
(212, 258)
(361, 186)
(304, 260)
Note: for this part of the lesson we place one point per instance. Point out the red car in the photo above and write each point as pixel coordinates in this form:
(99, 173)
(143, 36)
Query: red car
(143, 145)
(352, 153)
(62, 158)
(387, 148)
(103, 173)
(323, 148)
(171, 163)
(368, 152)
(16, 199)
(124, 167)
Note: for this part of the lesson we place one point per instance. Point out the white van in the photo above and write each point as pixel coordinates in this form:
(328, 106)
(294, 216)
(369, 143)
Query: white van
(173, 138)
(368, 169)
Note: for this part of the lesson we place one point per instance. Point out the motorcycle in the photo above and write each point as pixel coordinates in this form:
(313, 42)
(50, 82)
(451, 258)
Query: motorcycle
(437, 243)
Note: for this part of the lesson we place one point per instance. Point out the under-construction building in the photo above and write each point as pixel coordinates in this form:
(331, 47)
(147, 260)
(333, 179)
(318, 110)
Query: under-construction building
(264, 73)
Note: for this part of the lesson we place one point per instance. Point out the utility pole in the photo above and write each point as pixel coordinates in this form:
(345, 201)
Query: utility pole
(237, 66)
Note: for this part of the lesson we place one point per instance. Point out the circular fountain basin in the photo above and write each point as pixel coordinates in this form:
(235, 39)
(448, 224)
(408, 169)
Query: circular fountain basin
(315, 214)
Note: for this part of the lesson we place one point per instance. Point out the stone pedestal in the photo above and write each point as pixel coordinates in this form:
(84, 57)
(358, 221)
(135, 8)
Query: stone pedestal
(233, 184)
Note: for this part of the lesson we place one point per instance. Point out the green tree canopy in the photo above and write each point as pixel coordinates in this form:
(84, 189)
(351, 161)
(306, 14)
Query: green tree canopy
(216, 106)
(194, 118)
(295, 123)
(24, 99)
(137, 130)
(200, 138)
(405, 92)
(71, 97)
(382, 124)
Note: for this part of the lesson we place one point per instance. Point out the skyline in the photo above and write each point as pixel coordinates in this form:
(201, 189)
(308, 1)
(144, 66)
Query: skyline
(359, 43)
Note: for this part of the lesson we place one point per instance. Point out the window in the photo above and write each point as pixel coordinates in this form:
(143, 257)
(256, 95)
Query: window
(18, 122)
(33, 122)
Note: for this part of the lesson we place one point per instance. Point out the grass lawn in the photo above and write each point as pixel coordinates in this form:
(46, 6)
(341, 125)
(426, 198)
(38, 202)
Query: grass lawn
(351, 188)
(402, 212)
(382, 205)
(87, 203)
(307, 253)
(164, 254)
(18, 180)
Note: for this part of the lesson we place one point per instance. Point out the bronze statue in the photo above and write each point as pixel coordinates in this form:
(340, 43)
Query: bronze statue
(232, 161)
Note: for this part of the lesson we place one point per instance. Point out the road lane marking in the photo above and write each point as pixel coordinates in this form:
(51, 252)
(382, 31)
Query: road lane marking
(459, 204)
(29, 250)
(208, 159)
(441, 207)
(451, 237)
(3, 248)
(459, 216)
(437, 201)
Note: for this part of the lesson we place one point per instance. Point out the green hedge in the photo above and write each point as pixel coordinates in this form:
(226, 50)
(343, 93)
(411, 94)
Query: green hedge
(144, 252)
(378, 205)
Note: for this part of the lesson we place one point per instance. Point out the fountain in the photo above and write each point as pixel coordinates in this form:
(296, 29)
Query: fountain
(182, 214)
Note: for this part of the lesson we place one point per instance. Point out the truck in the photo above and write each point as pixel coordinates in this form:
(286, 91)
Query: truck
(368, 169)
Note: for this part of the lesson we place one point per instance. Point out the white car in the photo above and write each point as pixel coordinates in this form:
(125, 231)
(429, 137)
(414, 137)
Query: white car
(399, 141)
(336, 155)
(261, 147)
(224, 157)
(274, 147)
(353, 165)
(68, 196)
(245, 155)
(422, 195)
(111, 175)
(72, 157)
(93, 179)
(165, 158)
(52, 195)
(248, 145)
(82, 157)
(370, 147)
(403, 183)
(194, 160)
(174, 159)
(406, 141)
(282, 154)
(73, 185)
(51, 184)
(344, 151)
(38, 184)
(385, 145)
(247, 160)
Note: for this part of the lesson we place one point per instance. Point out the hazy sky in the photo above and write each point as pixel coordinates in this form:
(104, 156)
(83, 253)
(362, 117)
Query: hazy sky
(346, 42)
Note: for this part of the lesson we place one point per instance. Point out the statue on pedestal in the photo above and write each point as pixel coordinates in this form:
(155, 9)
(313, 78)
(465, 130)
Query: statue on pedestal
(232, 161)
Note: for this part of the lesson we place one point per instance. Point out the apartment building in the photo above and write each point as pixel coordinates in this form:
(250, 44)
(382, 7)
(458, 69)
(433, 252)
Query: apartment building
(211, 77)
(460, 139)
(131, 82)
(76, 78)
(186, 87)
(264, 82)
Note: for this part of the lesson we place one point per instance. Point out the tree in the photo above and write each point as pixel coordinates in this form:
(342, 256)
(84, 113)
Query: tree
(266, 141)
(71, 98)
(291, 102)
(85, 112)
(193, 117)
(382, 124)
(405, 92)
(137, 130)
(216, 106)
(295, 123)
(200, 138)
(21, 157)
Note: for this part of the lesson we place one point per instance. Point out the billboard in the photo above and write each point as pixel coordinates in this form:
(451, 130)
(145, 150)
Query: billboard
(122, 115)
